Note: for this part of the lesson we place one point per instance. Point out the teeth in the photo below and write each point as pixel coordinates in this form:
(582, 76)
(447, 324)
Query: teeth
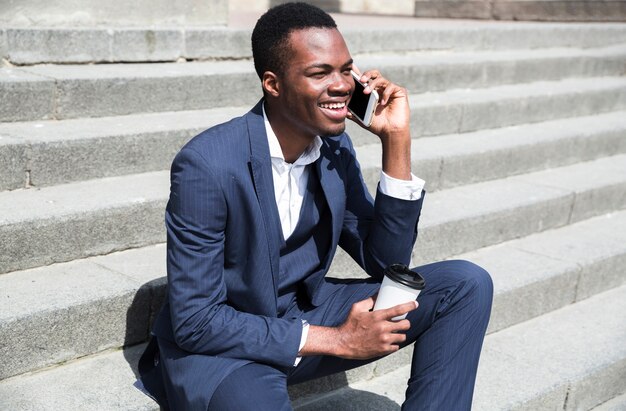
(333, 105)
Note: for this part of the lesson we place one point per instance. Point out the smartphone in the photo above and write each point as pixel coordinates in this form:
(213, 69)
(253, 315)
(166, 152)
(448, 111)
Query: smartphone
(362, 105)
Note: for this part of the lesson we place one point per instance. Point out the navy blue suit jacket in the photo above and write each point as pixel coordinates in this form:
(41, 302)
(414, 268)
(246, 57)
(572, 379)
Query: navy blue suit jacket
(223, 243)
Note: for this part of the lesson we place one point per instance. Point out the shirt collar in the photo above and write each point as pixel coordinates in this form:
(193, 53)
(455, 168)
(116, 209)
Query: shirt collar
(310, 155)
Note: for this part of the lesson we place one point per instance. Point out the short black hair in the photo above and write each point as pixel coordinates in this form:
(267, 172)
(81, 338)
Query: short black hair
(270, 37)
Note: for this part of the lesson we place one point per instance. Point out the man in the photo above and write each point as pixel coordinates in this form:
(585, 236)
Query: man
(257, 208)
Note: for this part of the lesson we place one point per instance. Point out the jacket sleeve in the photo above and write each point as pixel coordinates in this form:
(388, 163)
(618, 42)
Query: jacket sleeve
(376, 233)
(202, 321)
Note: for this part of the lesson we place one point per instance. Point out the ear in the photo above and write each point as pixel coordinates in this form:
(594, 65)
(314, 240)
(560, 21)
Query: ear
(271, 83)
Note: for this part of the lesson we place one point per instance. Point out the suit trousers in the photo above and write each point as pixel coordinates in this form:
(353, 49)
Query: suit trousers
(448, 329)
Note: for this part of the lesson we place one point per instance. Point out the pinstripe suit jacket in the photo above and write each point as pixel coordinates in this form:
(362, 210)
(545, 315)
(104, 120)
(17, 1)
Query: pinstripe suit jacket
(223, 244)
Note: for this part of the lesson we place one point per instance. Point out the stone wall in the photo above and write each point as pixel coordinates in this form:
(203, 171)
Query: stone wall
(116, 13)
(534, 10)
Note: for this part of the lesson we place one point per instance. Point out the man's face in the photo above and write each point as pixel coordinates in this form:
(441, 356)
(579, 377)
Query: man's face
(316, 84)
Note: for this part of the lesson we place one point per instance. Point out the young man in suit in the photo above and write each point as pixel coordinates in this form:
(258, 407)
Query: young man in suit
(257, 209)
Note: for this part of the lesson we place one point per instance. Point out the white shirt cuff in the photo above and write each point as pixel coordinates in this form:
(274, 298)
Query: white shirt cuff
(305, 334)
(401, 189)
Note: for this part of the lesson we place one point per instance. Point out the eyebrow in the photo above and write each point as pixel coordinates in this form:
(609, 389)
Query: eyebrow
(325, 66)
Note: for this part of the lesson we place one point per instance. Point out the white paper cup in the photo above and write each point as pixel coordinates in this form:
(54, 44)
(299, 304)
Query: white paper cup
(400, 285)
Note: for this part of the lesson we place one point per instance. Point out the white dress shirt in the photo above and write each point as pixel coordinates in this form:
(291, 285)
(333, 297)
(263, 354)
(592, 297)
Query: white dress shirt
(290, 183)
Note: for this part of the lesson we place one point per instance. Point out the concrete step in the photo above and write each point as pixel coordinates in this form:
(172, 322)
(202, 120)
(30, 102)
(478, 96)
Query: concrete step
(69, 310)
(553, 277)
(55, 315)
(514, 207)
(364, 34)
(537, 10)
(616, 404)
(451, 160)
(75, 91)
(42, 153)
(66, 222)
(570, 359)
(95, 217)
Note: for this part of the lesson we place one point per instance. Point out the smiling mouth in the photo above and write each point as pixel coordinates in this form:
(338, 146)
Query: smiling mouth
(333, 106)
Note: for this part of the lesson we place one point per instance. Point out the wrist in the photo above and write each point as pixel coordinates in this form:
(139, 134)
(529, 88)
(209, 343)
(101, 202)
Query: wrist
(396, 156)
(322, 341)
(395, 135)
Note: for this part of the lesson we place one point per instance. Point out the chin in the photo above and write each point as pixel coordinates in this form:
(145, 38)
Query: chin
(331, 132)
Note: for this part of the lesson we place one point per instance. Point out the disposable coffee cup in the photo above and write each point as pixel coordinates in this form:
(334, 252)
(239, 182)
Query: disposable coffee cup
(399, 286)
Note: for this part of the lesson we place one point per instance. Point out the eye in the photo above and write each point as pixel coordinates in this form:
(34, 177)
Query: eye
(318, 74)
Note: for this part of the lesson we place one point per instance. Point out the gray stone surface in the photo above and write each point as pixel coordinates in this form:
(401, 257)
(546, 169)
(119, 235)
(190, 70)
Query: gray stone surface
(102, 382)
(598, 189)
(421, 72)
(488, 215)
(616, 404)
(453, 9)
(4, 45)
(57, 314)
(27, 46)
(82, 149)
(368, 36)
(147, 45)
(116, 89)
(545, 271)
(106, 90)
(539, 10)
(566, 10)
(510, 105)
(594, 244)
(579, 348)
(469, 217)
(146, 267)
(526, 284)
(94, 45)
(466, 110)
(87, 13)
(217, 43)
(71, 221)
(455, 159)
(13, 163)
(25, 96)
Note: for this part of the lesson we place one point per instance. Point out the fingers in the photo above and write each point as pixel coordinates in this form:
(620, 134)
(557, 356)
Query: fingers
(399, 310)
(375, 81)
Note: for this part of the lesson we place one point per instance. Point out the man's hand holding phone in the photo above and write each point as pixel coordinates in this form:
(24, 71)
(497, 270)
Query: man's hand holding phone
(390, 121)
(387, 102)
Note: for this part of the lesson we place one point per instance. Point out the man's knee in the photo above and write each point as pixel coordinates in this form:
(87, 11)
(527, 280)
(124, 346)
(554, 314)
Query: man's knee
(460, 278)
(255, 387)
(476, 276)
(476, 282)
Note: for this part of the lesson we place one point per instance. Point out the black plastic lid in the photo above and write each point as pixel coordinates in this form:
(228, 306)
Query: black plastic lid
(400, 273)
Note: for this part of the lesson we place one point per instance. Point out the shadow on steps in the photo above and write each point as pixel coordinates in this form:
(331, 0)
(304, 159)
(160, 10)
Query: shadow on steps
(349, 399)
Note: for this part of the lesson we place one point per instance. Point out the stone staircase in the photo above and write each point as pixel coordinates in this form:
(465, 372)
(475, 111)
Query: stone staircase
(519, 130)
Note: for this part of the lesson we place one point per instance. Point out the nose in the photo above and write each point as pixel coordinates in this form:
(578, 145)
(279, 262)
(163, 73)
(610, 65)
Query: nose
(341, 85)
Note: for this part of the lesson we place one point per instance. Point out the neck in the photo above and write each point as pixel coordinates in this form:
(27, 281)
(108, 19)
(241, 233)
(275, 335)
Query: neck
(292, 142)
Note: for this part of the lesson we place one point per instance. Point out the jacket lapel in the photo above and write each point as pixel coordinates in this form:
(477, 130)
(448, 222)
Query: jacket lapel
(334, 191)
(261, 170)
